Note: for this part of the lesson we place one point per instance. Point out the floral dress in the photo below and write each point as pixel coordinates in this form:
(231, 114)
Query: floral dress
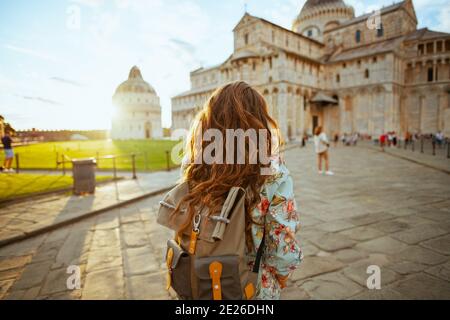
(276, 215)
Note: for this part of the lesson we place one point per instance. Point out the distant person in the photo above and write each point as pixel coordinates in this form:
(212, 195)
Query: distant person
(9, 153)
(355, 139)
(439, 139)
(343, 138)
(336, 139)
(321, 145)
(304, 139)
(407, 138)
(382, 141)
(394, 139)
(390, 138)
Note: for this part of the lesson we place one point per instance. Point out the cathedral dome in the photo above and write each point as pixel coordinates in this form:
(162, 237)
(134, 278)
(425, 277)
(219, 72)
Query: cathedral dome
(135, 83)
(318, 16)
(320, 3)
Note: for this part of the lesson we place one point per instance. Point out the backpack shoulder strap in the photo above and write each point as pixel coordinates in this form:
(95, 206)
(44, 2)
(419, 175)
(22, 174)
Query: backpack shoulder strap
(259, 253)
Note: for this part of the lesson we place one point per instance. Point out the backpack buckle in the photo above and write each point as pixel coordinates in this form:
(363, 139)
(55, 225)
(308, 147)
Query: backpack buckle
(194, 233)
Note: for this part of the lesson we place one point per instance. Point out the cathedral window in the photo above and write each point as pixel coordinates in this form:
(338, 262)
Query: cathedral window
(359, 63)
(420, 49)
(270, 62)
(358, 36)
(366, 74)
(344, 65)
(287, 41)
(447, 45)
(310, 33)
(380, 31)
(430, 74)
(246, 38)
(374, 60)
(338, 78)
(430, 48)
(254, 66)
(439, 46)
(273, 36)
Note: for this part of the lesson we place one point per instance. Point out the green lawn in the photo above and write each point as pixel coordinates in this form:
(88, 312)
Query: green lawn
(150, 154)
(16, 185)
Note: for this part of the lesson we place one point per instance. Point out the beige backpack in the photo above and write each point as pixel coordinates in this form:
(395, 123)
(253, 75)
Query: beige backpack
(209, 260)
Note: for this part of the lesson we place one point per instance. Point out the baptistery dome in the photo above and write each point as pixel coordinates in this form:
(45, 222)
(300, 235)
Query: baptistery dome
(137, 113)
(135, 83)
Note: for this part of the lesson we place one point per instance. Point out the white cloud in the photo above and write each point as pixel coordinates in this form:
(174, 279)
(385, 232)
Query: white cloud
(31, 52)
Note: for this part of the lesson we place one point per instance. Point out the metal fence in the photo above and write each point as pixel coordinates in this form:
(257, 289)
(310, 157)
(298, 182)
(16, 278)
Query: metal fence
(128, 161)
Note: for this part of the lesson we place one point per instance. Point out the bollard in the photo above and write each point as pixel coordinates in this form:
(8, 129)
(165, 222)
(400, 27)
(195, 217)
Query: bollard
(133, 164)
(168, 160)
(17, 162)
(421, 145)
(448, 148)
(114, 167)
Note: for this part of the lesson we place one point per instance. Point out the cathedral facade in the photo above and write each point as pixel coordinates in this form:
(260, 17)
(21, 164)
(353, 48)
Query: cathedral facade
(368, 74)
(137, 109)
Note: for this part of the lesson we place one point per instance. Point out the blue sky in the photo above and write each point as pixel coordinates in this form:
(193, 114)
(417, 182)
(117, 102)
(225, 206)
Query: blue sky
(60, 72)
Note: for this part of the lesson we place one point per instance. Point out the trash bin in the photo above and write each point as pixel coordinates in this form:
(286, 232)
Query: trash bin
(83, 175)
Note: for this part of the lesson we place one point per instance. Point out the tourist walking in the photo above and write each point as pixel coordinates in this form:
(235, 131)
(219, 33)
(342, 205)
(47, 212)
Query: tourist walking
(322, 145)
(382, 140)
(9, 153)
(251, 203)
(439, 139)
(355, 138)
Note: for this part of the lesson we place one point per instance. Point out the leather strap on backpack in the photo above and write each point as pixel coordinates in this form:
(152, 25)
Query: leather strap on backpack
(259, 253)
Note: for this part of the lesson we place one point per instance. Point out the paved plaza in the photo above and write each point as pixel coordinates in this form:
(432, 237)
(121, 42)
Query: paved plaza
(379, 209)
(35, 215)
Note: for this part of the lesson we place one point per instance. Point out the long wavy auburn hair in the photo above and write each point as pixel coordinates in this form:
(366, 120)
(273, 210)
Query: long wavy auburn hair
(234, 106)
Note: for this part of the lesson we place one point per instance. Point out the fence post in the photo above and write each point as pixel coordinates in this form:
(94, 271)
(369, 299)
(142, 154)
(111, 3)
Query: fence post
(114, 167)
(63, 162)
(168, 160)
(133, 163)
(17, 163)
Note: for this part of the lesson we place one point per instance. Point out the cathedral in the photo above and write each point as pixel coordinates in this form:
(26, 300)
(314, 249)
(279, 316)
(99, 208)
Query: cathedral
(368, 74)
(137, 109)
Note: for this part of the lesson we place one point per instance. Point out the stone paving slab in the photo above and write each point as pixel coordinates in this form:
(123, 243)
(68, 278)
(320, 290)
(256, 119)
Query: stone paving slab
(377, 210)
(28, 218)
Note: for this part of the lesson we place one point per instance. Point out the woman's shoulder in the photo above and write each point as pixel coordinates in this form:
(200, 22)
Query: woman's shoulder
(278, 171)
